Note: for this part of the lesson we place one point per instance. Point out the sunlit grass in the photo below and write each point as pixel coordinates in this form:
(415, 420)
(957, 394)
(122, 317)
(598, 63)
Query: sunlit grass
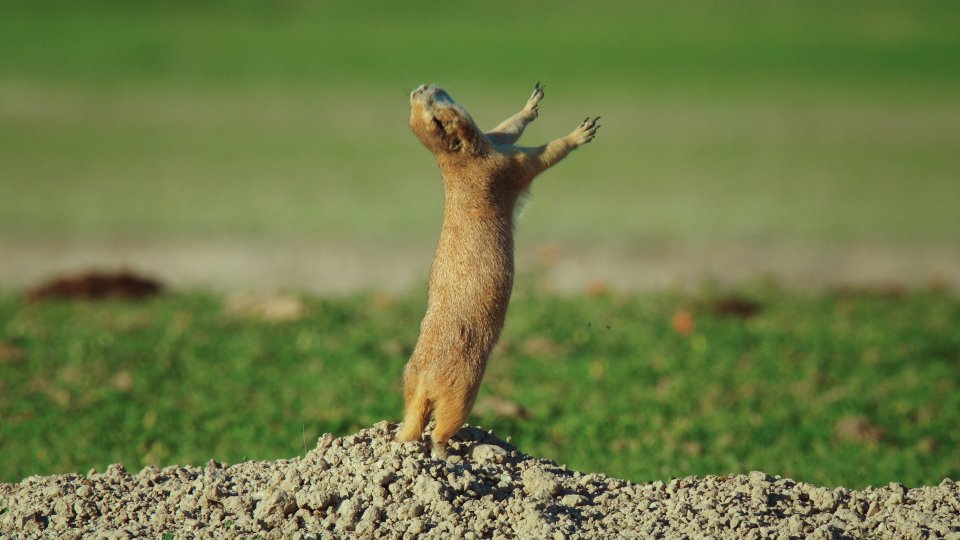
(836, 388)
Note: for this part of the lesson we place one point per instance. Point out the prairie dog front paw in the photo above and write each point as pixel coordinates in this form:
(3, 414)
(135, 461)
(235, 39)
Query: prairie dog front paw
(586, 131)
(533, 104)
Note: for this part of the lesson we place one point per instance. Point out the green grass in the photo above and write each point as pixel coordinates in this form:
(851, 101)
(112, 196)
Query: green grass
(817, 122)
(606, 381)
(637, 44)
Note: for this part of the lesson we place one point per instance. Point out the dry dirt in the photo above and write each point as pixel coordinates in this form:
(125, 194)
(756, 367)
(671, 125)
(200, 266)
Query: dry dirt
(365, 486)
(229, 264)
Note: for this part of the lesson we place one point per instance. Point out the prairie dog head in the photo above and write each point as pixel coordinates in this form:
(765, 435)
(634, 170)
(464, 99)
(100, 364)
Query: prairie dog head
(442, 125)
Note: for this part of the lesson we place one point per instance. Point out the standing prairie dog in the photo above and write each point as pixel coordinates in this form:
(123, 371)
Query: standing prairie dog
(483, 176)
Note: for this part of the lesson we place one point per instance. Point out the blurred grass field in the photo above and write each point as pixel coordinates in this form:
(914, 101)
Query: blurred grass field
(787, 123)
(842, 388)
(811, 122)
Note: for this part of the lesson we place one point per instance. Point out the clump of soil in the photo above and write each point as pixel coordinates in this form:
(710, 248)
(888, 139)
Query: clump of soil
(266, 307)
(736, 306)
(96, 286)
(366, 486)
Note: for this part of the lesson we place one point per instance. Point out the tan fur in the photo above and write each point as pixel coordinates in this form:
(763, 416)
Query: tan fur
(472, 273)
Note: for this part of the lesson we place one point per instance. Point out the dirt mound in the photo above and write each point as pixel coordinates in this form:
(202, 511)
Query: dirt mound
(96, 286)
(365, 486)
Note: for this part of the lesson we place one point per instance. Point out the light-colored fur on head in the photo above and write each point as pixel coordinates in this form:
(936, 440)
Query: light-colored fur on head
(442, 125)
(484, 176)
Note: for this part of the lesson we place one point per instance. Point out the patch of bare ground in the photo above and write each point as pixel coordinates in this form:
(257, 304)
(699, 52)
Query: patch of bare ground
(325, 267)
(366, 486)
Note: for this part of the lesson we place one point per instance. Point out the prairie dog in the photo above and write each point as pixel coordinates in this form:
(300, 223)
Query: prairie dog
(472, 274)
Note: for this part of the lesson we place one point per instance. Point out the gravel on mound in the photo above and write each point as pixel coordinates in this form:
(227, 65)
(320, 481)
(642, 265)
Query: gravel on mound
(366, 486)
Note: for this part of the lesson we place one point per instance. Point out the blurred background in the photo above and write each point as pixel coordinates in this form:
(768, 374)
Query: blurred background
(263, 144)
(764, 148)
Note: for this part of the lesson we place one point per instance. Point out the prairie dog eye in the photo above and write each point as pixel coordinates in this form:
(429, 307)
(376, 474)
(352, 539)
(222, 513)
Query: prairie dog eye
(439, 124)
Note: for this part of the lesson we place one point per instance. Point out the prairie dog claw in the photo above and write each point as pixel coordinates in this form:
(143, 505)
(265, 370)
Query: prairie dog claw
(533, 103)
(586, 131)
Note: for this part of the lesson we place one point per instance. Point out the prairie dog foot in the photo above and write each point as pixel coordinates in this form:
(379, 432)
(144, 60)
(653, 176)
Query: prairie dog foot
(439, 451)
(533, 104)
(404, 434)
(586, 131)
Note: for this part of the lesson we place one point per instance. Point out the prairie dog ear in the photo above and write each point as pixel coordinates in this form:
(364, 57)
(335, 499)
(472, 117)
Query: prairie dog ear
(457, 130)
(446, 121)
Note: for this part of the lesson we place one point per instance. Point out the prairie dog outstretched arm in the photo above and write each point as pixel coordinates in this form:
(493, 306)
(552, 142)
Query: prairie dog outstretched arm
(546, 156)
(512, 128)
